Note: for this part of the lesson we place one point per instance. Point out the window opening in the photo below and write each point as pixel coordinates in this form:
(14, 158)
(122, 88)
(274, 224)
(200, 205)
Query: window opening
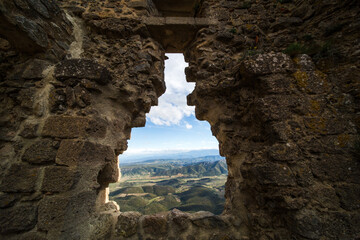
(174, 161)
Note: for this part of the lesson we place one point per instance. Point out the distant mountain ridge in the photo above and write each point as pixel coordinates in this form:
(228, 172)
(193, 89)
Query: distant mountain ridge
(178, 161)
(126, 158)
(200, 169)
(204, 166)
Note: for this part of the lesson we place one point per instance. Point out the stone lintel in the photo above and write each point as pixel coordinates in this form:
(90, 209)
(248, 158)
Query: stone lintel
(175, 33)
(184, 8)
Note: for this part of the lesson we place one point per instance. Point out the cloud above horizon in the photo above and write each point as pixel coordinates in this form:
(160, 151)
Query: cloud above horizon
(172, 107)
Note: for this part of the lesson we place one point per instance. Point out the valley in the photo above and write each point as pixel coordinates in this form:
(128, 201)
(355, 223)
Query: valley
(158, 185)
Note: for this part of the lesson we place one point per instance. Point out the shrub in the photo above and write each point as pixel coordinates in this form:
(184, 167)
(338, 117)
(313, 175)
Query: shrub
(332, 29)
(233, 31)
(295, 49)
(326, 50)
(246, 5)
(308, 37)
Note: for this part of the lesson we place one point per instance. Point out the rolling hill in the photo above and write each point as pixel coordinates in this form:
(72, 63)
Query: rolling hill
(157, 185)
(202, 166)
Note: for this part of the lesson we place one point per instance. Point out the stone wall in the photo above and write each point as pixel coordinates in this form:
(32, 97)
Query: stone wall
(277, 80)
(287, 123)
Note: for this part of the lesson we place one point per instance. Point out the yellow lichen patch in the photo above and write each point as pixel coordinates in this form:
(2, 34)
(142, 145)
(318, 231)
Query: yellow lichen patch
(249, 27)
(314, 107)
(317, 124)
(343, 140)
(107, 13)
(301, 78)
(296, 60)
(322, 77)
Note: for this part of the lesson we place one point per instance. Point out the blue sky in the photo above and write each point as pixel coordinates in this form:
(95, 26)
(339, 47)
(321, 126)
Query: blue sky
(171, 126)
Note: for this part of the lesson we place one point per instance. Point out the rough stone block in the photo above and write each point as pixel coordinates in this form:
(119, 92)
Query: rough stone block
(306, 223)
(336, 168)
(275, 83)
(33, 31)
(272, 173)
(17, 219)
(209, 222)
(109, 174)
(349, 195)
(102, 226)
(264, 64)
(26, 97)
(268, 106)
(34, 69)
(285, 22)
(65, 127)
(52, 212)
(154, 224)
(283, 152)
(72, 153)
(138, 4)
(42, 151)
(32, 235)
(127, 224)
(55, 211)
(20, 178)
(7, 200)
(58, 179)
(81, 68)
(69, 152)
(97, 128)
(179, 219)
(325, 196)
(29, 131)
(338, 225)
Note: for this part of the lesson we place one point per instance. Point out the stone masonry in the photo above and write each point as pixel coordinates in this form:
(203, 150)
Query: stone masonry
(278, 81)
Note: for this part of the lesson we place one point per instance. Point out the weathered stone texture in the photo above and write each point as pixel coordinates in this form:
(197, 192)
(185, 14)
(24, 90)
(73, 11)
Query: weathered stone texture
(20, 178)
(79, 68)
(18, 219)
(65, 127)
(273, 110)
(73, 153)
(127, 224)
(26, 25)
(281, 95)
(58, 179)
(43, 151)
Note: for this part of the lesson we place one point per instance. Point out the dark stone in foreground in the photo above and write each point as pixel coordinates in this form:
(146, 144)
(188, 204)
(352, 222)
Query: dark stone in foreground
(80, 68)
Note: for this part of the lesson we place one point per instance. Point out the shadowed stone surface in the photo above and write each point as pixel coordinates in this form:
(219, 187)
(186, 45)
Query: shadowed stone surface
(58, 179)
(20, 178)
(17, 219)
(43, 151)
(79, 68)
(281, 96)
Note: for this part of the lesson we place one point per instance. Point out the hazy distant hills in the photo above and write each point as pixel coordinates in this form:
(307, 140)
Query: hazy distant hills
(126, 159)
(174, 160)
(200, 166)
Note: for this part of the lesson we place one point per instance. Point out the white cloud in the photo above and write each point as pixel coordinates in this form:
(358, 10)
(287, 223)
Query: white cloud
(172, 106)
(188, 126)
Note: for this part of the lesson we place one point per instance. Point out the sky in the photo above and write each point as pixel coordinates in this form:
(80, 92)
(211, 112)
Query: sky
(171, 126)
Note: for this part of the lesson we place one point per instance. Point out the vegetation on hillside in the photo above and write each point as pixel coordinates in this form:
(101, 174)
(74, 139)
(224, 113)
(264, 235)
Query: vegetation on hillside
(161, 187)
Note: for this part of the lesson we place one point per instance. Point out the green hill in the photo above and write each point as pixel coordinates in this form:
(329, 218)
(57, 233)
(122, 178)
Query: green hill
(212, 168)
(200, 169)
(193, 186)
